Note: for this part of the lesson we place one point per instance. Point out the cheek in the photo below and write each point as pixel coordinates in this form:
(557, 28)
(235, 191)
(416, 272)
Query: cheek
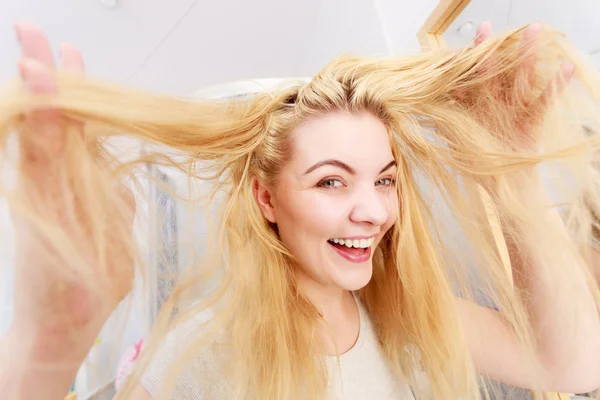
(390, 222)
(309, 216)
(393, 209)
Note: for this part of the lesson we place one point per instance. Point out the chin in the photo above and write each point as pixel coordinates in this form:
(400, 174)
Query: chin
(354, 280)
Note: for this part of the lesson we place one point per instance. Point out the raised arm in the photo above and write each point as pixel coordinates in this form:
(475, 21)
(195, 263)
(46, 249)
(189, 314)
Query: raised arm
(63, 296)
(565, 322)
(558, 299)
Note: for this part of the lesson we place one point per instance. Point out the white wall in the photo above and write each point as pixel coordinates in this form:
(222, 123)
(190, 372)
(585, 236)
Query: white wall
(376, 28)
(576, 18)
(182, 45)
(115, 42)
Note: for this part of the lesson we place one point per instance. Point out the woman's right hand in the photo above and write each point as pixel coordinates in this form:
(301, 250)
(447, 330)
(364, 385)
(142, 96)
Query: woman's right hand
(58, 313)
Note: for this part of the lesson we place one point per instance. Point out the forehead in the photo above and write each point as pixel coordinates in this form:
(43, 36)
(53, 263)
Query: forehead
(358, 139)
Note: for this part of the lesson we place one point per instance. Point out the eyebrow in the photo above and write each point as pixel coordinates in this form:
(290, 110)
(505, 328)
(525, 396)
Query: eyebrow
(344, 166)
(388, 166)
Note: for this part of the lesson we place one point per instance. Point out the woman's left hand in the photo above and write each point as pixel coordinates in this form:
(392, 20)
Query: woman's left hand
(518, 92)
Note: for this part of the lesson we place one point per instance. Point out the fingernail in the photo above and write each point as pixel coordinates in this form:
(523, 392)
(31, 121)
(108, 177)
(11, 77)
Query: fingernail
(27, 69)
(536, 26)
(24, 70)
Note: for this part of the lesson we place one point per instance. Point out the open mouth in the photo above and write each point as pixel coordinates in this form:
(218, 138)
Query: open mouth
(354, 250)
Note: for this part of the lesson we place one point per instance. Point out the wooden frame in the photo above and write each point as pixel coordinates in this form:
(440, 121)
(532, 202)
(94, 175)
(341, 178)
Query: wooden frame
(431, 33)
(431, 37)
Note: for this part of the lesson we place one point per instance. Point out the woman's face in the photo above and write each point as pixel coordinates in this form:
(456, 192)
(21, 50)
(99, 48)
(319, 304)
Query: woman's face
(336, 197)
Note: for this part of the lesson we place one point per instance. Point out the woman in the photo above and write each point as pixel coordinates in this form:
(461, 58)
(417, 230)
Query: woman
(325, 246)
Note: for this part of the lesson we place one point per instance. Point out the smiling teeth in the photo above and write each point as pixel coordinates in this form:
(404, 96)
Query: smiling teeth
(358, 243)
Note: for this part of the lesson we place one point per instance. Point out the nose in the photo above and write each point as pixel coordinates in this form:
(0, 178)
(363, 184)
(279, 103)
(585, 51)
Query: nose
(371, 207)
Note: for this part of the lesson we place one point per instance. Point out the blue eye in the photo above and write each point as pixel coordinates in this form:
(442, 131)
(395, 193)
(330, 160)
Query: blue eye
(385, 182)
(330, 183)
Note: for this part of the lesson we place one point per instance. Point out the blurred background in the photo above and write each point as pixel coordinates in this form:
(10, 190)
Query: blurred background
(225, 48)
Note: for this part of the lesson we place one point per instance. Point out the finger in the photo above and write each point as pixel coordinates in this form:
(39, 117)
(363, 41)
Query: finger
(484, 31)
(36, 72)
(556, 87)
(34, 43)
(535, 111)
(567, 71)
(37, 78)
(71, 59)
(42, 133)
(528, 49)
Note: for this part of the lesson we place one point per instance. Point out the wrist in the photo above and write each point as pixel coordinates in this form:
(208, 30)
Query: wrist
(35, 367)
(46, 345)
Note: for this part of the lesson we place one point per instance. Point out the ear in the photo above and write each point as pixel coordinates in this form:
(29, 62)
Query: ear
(264, 199)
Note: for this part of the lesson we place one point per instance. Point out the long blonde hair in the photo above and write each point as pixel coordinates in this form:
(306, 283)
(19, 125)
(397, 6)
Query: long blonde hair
(452, 125)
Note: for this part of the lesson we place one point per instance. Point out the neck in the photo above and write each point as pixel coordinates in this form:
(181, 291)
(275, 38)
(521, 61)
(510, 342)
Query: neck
(328, 299)
(340, 322)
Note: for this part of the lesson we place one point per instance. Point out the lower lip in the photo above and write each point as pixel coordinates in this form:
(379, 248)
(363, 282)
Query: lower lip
(352, 257)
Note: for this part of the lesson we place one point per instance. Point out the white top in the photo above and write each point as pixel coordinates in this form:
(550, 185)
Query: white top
(362, 374)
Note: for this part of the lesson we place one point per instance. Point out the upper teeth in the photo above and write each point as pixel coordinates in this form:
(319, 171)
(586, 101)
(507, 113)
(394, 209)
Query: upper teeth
(358, 243)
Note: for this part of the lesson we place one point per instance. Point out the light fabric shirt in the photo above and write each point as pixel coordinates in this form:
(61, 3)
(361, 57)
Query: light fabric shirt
(362, 372)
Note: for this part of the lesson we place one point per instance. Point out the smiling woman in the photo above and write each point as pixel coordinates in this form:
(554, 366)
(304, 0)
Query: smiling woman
(328, 274)
(329, 190)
